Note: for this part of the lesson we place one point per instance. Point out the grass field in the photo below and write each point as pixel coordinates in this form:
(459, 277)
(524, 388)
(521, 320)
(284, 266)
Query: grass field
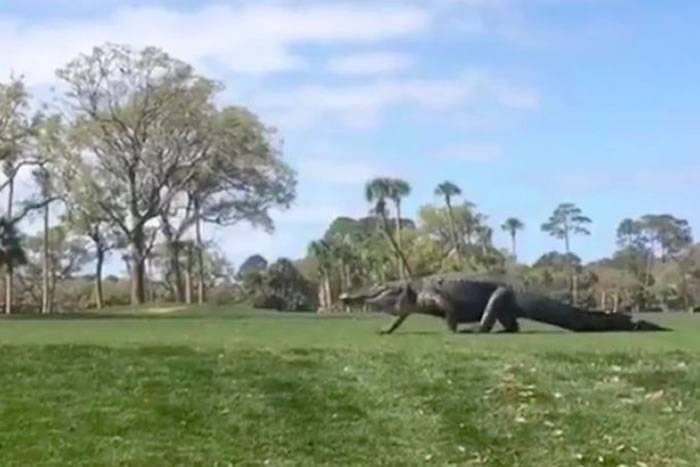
(222, 387)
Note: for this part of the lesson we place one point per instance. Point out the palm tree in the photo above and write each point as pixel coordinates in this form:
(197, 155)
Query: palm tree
(448, 190)
(398, 189)
(321, 251)
(512, 225)
(566, 220)
(377, 191)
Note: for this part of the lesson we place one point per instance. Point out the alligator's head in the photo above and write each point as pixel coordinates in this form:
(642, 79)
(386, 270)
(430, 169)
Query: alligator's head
(393, 297)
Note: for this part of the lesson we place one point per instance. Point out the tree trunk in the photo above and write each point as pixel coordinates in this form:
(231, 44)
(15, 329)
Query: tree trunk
(572, 269)
(649, 266)
(328, 291)
(188, 275)
(392, 242)
(322, 293)
(684, 286)
(173, 247)
(574, 287)
(45, 286)
(616, 301)
(52, 288)
(513, 245)
(151, 279)
(9, 268)
(138, 245)
(201, 289)
(99, 295)
(402, 270)
(174, 250)
(603, 300)
(138, 267)
(453, 230)
(348, 277)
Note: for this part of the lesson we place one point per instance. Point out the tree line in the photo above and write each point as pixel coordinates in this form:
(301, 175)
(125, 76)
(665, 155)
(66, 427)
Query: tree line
(133, 156)
(656, 265)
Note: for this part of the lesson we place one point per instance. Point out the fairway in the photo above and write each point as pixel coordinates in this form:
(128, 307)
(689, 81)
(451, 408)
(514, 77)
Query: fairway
(222, 387)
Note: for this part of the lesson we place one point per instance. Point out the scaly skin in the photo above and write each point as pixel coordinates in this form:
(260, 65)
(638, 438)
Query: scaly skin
(462, 298)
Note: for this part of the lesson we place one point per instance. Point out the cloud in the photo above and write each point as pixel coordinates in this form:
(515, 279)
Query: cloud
(319, 214)
(361, 106)
(249, 38)
(340, 172)
(293, 230)
(373, 63)
(657, 179)
(472, 152)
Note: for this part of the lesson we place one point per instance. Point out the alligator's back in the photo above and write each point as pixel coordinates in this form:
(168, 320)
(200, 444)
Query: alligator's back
(467, 294)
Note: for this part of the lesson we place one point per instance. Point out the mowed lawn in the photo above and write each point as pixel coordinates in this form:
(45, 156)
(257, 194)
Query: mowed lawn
(217, 387)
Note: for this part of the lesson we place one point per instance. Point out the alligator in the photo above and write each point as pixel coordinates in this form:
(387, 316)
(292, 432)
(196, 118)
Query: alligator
(464, 298)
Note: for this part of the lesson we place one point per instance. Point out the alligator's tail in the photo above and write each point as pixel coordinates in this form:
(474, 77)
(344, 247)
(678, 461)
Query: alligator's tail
(549, 311)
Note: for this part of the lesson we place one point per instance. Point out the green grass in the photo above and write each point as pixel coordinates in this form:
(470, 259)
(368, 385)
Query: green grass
(235, 387)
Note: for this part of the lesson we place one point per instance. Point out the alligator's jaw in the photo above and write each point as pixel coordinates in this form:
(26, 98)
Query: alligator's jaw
(384, 297)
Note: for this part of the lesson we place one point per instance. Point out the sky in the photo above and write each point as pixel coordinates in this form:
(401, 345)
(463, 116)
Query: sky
(524, 104)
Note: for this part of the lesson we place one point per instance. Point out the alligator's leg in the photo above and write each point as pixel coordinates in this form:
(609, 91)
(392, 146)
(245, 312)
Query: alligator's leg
(499, 307)
(406, 304)
(509, 322)
(433, 299)
(395, 324)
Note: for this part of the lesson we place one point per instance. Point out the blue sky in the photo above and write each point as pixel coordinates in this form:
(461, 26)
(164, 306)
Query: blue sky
(523, 103)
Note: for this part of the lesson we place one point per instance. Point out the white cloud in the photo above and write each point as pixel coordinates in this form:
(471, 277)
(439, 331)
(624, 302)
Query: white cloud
(657, 179)
(293, 230)
(474, 152)
(360, 106)
(255, 38)
(371, 63)
(317, 214)
(339, 172)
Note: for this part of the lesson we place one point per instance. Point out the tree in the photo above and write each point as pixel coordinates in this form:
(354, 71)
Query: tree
(652, 236)
(252, 264)
(16, 128)
(397, 190)
(485, 238)
(568, 220)
(84, 217)
(557, 261)
(55, 255)
(449, 190)
(282, 287)
(320, 250)
(44, 181)
(138, 119)
(377, 191)
(242, 178)
(673, 237)
(217, 267)
(512, 226)
(11, 250)
(629, 233)
(50, 143)
(470, 226)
